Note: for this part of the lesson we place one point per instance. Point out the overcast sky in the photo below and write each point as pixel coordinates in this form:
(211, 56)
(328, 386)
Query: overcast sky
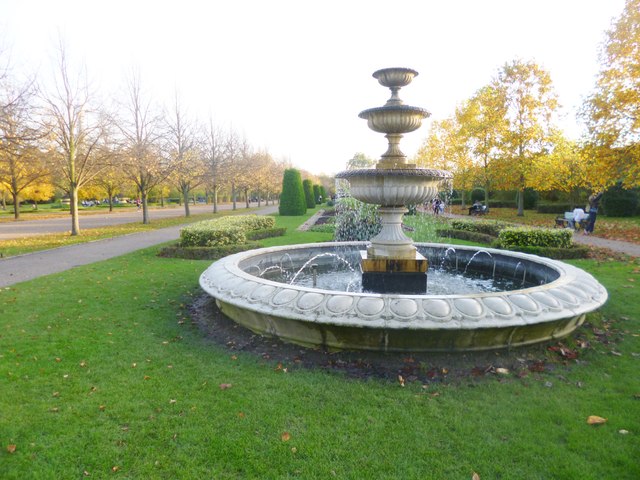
(292, 76)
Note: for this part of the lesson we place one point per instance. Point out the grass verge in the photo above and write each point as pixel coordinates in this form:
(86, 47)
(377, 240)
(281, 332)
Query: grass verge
(9, 248)
(104, 375)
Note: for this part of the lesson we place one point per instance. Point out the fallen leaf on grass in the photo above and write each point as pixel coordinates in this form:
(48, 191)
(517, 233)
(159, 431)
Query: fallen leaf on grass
(401, 380)
(286, 436)
(224, 386)
(623, 431)
(11, 448)
(596, 420)
(475, 476)
(502, 371)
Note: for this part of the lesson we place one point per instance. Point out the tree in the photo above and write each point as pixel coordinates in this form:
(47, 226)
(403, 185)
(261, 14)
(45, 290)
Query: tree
(612, 112)
(360, 160)
(77, 129)
(565, 168)
(445, 148)
(529, 105)
(292, 199)
(23, 166)
(141, 157)
(307, 187)
(213, 154)
(187, 162)
(482, 122)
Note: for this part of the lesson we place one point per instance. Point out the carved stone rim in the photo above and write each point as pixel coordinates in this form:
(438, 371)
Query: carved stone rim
(572, 294)
(396, 69)
(395, 172)
(403, 109)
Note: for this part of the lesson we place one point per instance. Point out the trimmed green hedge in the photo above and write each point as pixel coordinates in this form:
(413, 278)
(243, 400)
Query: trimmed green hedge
(266, 233)
(575, 251)
(205, 253)
(292, 199)
(553, 208)
(535, 237)
(487, 227)
(307, 187)
(224, 231)
(466, 235)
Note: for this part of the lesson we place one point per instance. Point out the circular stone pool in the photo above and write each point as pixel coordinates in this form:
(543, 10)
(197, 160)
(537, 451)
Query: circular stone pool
(547, 300)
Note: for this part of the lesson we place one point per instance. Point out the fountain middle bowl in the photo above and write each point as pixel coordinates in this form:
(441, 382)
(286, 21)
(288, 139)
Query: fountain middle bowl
(402, 186)
(395, 119)
(331, 319)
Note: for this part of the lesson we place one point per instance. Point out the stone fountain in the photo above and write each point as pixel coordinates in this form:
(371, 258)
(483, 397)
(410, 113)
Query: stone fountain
(391, 263)
(394, 310)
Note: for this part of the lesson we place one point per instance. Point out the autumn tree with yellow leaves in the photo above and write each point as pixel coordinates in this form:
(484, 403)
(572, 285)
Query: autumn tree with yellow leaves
(612, 112)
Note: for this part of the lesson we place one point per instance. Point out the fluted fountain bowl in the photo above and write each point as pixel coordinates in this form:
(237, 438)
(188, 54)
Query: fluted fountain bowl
(394, 187)
(394, 119)
(548, 301)
(394, 77)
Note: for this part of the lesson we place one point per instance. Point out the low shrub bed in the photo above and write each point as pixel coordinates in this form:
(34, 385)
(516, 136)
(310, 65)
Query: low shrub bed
(575, 251)
(535, 237)
(231, 230)
(466, 235)
(486, 227)
(559, 208)
(205, 253)
(266, 233)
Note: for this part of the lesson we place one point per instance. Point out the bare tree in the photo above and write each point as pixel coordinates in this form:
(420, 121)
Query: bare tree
(22, 163)
(212, 146)
(187, 160)
(77, 128)
(141, 156)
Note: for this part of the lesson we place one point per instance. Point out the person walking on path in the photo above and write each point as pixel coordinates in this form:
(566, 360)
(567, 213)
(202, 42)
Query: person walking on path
(594, 202)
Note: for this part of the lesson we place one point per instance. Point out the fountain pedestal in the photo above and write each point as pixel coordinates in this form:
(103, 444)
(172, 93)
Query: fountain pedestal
(391, 263)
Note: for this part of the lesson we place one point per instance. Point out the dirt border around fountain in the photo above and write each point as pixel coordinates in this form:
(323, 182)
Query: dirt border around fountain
(427, 368)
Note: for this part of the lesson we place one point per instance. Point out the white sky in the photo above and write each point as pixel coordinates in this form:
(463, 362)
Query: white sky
(293, 75)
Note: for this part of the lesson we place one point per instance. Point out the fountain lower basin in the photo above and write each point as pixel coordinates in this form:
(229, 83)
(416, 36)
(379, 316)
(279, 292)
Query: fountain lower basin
(552, 309)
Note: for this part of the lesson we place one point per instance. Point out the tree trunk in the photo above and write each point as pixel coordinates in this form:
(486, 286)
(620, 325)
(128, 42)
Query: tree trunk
(233, 195)
(521, 202)
(246, 197)
(16, 207)
(145, 208)
(463, 201)
(110, 203)
(185, 197)
(73, 206)
(215, 199)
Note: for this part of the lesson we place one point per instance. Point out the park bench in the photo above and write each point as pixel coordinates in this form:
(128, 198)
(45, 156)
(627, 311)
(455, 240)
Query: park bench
(478, 210)
(564, 221)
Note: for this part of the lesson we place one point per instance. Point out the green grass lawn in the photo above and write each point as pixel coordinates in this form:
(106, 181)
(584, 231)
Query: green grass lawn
(103, 375)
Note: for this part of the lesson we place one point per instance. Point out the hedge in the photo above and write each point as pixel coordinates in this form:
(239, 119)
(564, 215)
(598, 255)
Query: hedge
(486, 227)
(223, 231)
(538, 237)
(266, 233)
(292, 199)
(575, 251)
(558, 208)
(205, 253)
(310, 199)
(466, 235)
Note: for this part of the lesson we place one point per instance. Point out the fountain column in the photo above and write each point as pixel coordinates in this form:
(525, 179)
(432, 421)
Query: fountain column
(391, 263)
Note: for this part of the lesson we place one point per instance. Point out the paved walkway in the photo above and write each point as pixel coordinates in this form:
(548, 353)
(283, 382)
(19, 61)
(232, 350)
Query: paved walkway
(33, 265)
(27, 267)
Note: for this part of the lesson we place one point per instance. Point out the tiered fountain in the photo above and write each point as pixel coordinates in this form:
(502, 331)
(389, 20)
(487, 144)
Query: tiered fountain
(391, 263)
(530, 299)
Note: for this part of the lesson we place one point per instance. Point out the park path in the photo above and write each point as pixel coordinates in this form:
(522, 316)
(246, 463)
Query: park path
(32, 265)
(27, 267)
(628, 248)
(61, 222)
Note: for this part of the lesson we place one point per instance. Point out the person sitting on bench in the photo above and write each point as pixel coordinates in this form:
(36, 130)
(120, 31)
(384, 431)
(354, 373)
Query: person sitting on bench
(578, 216)
(476, 208)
